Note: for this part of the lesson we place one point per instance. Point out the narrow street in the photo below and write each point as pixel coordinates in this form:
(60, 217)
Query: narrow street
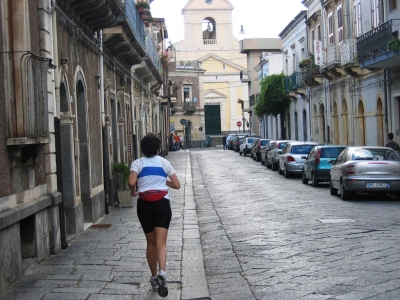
(267, 237)
(239, 232)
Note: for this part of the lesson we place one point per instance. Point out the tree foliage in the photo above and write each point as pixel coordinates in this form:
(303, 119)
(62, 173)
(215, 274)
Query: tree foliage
(272, 100)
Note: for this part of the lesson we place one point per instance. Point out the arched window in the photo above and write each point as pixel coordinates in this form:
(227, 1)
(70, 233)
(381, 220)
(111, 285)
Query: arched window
(209, 30)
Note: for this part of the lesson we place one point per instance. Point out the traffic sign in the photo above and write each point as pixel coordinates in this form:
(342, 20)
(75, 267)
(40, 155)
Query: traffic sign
(238, 123)
(183, 121)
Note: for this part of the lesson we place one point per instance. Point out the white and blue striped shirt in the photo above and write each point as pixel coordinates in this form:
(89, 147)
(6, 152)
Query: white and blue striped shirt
(152, 173)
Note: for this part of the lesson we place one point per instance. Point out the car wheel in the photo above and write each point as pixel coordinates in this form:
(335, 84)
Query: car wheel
(268, 165)
(314, 182)
(262, 162)
(287, 174)
(274, 166)
(332, 190)
(304, 180)
(240, 153)
(344, 194)
(279, 169)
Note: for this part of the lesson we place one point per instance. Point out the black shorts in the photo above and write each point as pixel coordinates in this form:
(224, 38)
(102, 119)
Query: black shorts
(154, 214)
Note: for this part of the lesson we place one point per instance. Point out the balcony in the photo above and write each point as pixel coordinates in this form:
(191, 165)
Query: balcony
(95, 14)
(294, 84)
(312, 76)
(379, 47)
(209, 42)
(189, 107)
(333, 65)
(349, 58)
(131, 43)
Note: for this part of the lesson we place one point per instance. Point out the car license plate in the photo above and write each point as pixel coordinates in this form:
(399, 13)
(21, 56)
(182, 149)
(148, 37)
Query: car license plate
(378, 184)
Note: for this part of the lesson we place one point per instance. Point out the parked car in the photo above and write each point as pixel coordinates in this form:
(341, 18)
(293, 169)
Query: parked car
(237, 142)
(245, 147)
(317, 167)
(259, 146)
(272, 155)
(292, 157)
(230, 138)
(365, 169)
(265, 151)
(253, 147)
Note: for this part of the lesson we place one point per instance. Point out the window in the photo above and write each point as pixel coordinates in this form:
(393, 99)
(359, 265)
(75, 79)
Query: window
(223, 67)
(340, 23)
(357, 19)
(392, 5)
(312, 36)
(186, 93)
(330, 28)
(294, 62)
(375, 13)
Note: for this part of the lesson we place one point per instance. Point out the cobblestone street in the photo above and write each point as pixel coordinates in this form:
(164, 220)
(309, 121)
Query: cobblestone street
(267, 237)
(262, 237)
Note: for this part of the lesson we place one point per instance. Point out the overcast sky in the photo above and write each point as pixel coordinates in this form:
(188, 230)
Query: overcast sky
(260, 19)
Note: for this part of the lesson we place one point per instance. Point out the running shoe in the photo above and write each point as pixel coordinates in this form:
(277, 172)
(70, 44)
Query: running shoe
(162, 284)
(154, 284)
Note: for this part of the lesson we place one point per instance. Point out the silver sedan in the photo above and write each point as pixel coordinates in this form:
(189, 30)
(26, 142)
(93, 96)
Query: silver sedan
(365, 169)
(292, 157)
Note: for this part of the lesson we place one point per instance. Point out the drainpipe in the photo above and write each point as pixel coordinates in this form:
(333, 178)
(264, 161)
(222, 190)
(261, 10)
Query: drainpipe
(57, 130)
(106, 161)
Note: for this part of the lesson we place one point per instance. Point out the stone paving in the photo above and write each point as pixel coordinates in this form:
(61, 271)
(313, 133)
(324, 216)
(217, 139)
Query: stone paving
(110, 263)
(239, 232)
(268, 237)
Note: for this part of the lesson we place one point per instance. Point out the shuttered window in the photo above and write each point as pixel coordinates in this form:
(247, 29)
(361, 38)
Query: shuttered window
(340, 23)
(357, 19)
(375, 13)
(330, 29)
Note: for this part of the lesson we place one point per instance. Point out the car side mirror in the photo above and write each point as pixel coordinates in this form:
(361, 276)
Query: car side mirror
(332, 162)
(280, 152)
(304, 157)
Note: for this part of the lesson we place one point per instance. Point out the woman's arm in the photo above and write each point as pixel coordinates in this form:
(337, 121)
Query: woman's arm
(174, 182)
(132, 183)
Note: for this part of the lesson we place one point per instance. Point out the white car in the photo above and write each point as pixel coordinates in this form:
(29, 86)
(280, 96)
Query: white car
(248, 142)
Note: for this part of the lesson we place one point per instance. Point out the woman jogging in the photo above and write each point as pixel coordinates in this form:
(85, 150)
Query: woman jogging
(150, 174)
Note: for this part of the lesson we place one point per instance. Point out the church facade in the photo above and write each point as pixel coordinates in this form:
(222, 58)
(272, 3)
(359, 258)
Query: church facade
(207, 72)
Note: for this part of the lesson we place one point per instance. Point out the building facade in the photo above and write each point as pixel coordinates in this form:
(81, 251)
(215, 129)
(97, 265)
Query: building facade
(211, 52)
(81, 85)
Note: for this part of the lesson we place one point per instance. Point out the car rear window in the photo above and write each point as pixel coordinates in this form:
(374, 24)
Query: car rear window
(302, 149)
(331, 152)
(374, 154)
(282, 145)
(250, 140)
(263, 143)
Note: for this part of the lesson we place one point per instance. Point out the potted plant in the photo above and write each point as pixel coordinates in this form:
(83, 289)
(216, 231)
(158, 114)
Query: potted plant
(164, 57)
(124, 196)
(393, 45)
(142, 7)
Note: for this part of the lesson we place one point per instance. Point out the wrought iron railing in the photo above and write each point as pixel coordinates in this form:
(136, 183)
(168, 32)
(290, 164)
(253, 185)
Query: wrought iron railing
(310, 72)
(297, 80)
(375, 42)
(142, 35)
(332, 55)
(348, 52)
(152, 52)
(287, 83)
(189, 106)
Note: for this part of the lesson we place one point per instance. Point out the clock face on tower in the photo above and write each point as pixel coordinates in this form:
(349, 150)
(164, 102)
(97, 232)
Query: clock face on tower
(208, 1)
